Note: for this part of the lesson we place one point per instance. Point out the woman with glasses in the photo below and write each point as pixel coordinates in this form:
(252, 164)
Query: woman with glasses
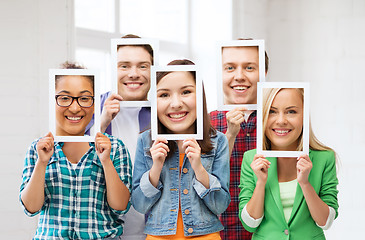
(81, 190)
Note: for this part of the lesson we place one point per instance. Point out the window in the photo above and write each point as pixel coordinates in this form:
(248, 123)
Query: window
(163, 19)
(185, 29)
(99, 60)
(95, 15)
(97, 22)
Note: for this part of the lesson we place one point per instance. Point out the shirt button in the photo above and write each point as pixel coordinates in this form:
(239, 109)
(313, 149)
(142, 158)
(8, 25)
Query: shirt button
(185, 170)
(190, 230)
(248, 134)
(286, 231)
(186, 191)
(187, 212)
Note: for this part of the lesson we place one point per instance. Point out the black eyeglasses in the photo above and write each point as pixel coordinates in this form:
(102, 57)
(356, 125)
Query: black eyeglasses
(66, 100)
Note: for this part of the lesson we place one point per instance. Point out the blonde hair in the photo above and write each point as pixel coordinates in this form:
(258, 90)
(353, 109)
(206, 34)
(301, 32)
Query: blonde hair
(268, 97)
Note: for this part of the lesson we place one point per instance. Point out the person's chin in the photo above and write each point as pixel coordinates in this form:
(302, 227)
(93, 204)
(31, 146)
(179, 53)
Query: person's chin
(243, 100)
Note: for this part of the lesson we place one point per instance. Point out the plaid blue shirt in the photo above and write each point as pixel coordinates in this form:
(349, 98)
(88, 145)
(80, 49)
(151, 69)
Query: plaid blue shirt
(75, 205)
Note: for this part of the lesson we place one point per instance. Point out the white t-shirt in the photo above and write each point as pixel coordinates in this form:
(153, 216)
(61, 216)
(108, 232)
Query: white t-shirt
(125, 126)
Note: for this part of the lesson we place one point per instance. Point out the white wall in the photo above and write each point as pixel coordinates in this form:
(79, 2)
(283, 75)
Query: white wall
(209, 21)
(35, 36)
(322, 42)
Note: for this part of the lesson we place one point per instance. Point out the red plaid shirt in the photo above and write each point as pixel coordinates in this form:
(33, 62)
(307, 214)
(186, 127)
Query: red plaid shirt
(245, 140)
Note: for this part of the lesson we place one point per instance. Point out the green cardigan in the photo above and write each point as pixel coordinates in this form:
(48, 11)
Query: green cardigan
(300, 226)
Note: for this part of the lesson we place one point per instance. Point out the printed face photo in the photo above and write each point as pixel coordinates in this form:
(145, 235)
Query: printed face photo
(131, 68)
(241, 67)
(177, 103)
(240, 74)
(283, 119)
(134, 69)
(73, 102)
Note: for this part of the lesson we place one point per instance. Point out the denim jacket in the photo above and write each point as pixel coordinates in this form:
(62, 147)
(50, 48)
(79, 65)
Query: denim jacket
(200, 207)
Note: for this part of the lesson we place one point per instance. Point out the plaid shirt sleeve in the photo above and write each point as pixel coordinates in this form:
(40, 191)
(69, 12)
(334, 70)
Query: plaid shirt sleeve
(123, 165)
(29, 164)
(218, 120)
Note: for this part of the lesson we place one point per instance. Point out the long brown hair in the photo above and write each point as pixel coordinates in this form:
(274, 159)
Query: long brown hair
(208, 131)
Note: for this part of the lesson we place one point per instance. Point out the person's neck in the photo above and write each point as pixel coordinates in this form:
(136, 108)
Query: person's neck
(75, 150)
(179, 145)
(287, 169)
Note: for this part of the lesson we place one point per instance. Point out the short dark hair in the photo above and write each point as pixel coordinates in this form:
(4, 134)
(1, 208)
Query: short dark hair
(73, 65)
(266, 56)
(146, 47)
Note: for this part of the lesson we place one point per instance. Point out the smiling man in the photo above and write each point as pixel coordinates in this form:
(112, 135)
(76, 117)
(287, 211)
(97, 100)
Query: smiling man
(240, 74)
(133, 75)
(134, 64)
